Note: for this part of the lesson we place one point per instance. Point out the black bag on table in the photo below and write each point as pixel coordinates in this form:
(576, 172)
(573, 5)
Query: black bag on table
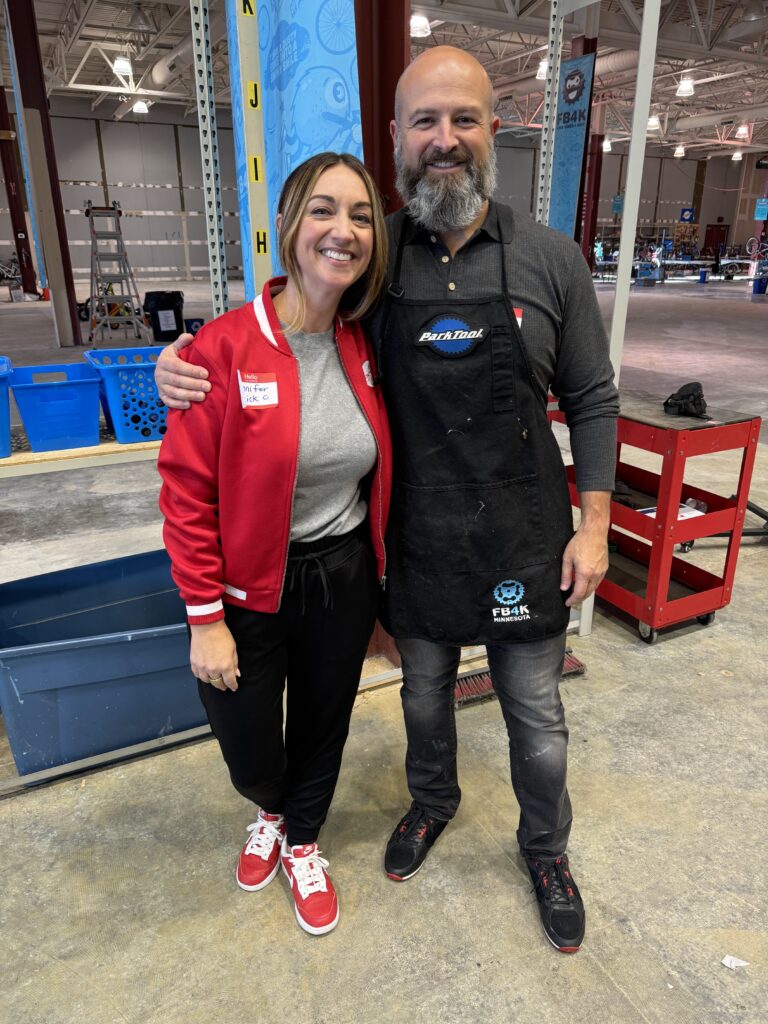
(687, 401)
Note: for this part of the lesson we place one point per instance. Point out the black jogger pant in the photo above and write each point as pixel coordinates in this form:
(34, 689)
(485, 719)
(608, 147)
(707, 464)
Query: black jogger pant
(316, 642)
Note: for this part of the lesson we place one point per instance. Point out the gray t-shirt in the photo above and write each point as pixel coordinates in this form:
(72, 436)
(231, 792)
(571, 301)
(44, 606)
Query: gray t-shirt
(337, 448)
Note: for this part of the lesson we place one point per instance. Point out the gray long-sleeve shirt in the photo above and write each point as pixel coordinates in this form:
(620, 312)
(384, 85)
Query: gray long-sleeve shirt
(549, 281)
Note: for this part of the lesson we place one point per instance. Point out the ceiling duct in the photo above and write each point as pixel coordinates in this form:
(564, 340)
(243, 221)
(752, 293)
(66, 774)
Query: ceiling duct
(611, 63)
(172, 64)
(747, 31)
(721, 119)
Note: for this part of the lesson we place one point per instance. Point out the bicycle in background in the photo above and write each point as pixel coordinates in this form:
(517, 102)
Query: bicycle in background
(757, 249)
(9, 270)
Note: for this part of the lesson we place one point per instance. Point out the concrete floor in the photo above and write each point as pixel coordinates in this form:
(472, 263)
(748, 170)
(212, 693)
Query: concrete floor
(120, 905)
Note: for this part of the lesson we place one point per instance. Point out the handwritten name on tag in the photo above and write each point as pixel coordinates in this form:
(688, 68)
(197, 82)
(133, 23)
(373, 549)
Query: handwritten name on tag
(257, 390)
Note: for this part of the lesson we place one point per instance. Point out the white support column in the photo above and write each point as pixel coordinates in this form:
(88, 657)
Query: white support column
(209, 153)
(646, 62)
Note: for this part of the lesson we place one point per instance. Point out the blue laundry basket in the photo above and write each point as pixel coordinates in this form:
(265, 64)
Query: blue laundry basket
(59, 405)
(132, 406)
(5, 408)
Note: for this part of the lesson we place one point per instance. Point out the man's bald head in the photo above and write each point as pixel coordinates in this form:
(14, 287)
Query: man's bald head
(444, 65)
(443, 134)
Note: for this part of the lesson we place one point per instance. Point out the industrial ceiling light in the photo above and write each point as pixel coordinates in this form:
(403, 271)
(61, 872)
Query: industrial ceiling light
(139, 21)
(736, 155)
(653, 123)
(607, 145)
(140, 107)
(686, 87)
(420, 26)
(742, 132)
(122, 66)
(680, 150)
(541, 71)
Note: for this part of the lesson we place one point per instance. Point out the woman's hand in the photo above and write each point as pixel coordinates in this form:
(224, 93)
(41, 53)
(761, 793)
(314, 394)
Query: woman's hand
(213, 655)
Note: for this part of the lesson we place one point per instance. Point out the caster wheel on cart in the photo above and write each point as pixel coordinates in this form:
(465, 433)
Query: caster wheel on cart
(686, 546)
(647, 633)
(706, 620)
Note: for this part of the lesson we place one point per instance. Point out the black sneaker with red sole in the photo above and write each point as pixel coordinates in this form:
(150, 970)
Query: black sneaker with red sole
(560, 904)
(409, 844)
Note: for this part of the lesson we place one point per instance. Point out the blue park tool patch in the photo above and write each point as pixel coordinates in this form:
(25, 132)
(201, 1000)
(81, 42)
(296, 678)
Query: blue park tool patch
(451, 337)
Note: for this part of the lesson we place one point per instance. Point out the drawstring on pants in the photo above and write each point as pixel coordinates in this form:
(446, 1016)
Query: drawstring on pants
(299, 569)
(319, 558)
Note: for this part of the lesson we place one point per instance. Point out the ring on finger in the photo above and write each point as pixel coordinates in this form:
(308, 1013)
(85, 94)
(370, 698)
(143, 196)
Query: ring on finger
(215, 679)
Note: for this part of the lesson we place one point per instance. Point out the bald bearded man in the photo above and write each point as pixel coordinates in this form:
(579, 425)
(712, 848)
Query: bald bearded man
(483, 313)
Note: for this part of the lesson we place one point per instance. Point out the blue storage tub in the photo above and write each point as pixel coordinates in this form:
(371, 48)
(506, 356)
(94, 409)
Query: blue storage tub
(5, 408)
(94, 659)
(61, 412)
(131, 407)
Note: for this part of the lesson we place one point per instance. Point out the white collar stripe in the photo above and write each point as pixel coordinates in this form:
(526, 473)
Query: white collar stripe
(263, 319)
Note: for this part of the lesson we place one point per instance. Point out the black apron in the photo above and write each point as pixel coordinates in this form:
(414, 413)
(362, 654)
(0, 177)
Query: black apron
(480, 507)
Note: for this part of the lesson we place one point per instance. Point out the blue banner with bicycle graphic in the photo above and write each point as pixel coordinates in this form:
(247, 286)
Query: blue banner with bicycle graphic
(573, 102)
(309, 83)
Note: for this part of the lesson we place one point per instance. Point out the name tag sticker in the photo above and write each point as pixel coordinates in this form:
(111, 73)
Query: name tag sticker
(257, 390)
(518, 315)
(368, 374)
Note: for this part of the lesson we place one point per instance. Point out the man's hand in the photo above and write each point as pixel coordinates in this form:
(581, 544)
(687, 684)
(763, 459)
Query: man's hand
(180, 383)
(585, 560)
(213, 655)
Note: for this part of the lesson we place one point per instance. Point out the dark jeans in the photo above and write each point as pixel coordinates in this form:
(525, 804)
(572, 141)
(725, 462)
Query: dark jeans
(317, 642)
(526, 679)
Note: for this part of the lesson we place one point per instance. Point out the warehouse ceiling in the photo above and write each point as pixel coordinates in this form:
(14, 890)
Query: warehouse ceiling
(721, 45)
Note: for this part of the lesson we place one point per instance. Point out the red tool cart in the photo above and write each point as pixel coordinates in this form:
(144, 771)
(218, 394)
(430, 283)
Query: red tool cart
(645, 578)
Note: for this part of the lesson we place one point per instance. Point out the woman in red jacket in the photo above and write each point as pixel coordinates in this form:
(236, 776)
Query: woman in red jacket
(275, 495)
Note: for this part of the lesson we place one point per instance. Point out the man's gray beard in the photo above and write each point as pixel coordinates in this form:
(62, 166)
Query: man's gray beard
(451, 201)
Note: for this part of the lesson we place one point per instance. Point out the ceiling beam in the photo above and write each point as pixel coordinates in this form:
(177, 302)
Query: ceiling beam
(81, 16)
(629, 12)
(715, 37)
(697, 23)
(613, 32)
(180, 13)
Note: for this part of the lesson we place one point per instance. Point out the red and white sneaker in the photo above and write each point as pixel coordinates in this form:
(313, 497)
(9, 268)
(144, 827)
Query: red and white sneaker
(315, 900)
(260, 857)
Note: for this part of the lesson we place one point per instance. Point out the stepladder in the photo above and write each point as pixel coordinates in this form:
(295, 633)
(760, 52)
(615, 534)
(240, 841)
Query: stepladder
(114, 302)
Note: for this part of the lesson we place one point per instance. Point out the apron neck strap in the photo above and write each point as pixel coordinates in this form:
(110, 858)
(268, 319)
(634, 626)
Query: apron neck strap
(506, 220)
(395, 288)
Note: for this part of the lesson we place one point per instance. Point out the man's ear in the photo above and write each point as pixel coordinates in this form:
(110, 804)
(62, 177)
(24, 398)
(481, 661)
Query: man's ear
(495, 124)
(393, 131)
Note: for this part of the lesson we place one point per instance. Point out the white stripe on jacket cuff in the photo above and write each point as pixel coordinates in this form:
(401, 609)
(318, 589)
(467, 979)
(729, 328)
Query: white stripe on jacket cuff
(204, 609)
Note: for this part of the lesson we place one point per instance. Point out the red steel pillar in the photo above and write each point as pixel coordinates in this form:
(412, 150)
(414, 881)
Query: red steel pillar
(383, 52)
(591, 170)
(42, 170)
(15, 193)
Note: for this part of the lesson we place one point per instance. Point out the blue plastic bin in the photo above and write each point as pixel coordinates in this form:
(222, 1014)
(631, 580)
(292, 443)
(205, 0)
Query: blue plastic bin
(132, 407)
(703, 275)
(94, 659)
(5, 408)
(59, 405)
(759, 285)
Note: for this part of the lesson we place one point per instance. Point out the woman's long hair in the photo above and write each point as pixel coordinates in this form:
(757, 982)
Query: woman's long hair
(360, 298)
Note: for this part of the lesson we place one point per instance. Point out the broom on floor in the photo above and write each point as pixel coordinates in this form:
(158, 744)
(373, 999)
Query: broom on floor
(474, 686)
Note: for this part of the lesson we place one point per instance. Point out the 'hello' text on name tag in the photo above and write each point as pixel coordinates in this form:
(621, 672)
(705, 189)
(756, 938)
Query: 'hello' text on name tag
(257, 390)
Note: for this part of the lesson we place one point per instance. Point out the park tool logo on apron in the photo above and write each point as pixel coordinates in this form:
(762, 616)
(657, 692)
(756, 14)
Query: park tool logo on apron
(509, 594)
(450, 337)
